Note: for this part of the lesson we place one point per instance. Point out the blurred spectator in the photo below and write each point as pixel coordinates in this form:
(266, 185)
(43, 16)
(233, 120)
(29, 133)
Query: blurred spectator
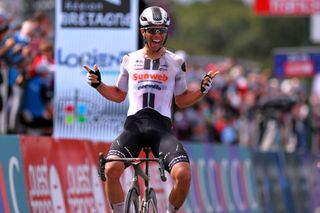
(5, 45)
(36, 111)
(16, 59)
(44, 28)
(42, 32)
(26, 68)
(315, 113)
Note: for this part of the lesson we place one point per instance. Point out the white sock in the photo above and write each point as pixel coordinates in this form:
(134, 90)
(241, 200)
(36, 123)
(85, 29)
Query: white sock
(118, 207)
(172, 209)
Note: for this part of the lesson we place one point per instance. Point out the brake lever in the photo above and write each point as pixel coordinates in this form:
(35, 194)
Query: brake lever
(161, 167)
(102, 163)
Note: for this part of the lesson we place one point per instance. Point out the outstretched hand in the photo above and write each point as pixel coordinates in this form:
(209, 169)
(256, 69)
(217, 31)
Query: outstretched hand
(206, 82)
(93, 76)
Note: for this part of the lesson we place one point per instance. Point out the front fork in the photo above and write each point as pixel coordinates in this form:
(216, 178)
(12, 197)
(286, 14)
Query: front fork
(144, 202)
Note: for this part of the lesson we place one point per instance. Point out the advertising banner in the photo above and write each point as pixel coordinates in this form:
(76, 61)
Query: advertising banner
(222, 180)
(296, 63)
(62, 176)
(310, 169)
(87, 33)
(13, 196)
(284, 182)
(42, 174)
(286, 7)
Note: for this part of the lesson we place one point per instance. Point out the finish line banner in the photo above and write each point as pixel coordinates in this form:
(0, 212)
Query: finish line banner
(87, 33)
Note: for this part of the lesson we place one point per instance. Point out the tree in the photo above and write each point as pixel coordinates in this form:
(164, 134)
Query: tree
(230, 28)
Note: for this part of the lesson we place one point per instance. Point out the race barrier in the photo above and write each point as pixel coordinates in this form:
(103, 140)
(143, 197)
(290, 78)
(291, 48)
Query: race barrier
(288, 182)
(43, 174)
(222, 180)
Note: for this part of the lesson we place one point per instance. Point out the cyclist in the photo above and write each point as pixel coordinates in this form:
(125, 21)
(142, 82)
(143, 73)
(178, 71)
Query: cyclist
(151, 77)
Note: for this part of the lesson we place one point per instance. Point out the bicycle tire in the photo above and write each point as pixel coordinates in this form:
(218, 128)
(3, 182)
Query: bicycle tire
(132, 201)
(152, 202)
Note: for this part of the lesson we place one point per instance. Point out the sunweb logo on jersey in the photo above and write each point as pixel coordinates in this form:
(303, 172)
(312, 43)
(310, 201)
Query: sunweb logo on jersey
(96, 14)
(147, 76)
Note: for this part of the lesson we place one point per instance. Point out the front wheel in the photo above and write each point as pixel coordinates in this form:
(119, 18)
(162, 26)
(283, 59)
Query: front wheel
(152, 202)
(132, 201)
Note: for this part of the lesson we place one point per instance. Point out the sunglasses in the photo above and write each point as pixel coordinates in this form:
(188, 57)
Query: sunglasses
(154, 31)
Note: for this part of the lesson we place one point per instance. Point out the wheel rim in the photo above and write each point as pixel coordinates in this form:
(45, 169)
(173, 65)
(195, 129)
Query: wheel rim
(151, 207)
(132, 202)
(132, 208)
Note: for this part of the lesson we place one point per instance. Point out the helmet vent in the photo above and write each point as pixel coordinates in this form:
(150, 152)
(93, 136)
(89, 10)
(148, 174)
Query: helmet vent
(156, 14)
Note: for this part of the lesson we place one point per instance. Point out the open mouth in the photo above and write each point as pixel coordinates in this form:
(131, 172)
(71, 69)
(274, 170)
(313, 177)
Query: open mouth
(155, 44)
(156, 41)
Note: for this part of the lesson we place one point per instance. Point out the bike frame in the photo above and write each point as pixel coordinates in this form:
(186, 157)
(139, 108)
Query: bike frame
(135, 163)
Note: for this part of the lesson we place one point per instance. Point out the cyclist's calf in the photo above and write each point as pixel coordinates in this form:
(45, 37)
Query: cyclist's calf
(113, 172)
(181, 174)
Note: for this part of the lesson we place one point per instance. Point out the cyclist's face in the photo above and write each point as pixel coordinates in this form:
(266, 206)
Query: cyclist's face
(155, 36)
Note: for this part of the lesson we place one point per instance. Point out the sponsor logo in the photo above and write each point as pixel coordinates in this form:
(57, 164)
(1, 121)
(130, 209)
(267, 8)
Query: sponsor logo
(139, 61)
(163, 67)
(84, 190)
(96, 14)
(72, 59)
(297, 67)
(80, 114)
(147, 76)
(152, 86)
(75, 113)
(45, 188)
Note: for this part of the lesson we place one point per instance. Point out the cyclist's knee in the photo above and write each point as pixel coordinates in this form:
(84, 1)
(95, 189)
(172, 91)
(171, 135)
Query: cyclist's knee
(113, 170)
(181, 173)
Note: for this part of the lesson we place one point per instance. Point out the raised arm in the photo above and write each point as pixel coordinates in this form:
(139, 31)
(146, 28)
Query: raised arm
(111, 93)
(190, 97)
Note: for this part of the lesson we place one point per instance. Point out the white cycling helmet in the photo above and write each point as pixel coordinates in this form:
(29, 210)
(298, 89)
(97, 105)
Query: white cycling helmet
(154, 16)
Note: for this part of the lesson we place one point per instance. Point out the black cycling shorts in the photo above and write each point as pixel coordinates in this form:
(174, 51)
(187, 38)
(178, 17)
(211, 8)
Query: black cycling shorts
(149, 128)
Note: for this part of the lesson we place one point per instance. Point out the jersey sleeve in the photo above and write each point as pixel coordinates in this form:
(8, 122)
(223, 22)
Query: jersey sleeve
(122, 82)
(180, 79)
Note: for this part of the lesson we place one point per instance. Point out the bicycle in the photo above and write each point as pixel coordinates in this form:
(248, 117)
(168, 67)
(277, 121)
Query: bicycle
(133, 202)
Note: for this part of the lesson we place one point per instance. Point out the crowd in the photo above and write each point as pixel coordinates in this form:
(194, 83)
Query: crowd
(26, 79)
(253, 109)
(244, 107)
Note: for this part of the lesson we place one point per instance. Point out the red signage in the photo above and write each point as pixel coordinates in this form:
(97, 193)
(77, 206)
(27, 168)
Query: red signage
(61, 175)
(299, 68)
(286, 7)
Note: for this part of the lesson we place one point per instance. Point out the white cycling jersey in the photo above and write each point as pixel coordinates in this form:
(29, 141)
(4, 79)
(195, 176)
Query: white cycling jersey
(152, 83)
